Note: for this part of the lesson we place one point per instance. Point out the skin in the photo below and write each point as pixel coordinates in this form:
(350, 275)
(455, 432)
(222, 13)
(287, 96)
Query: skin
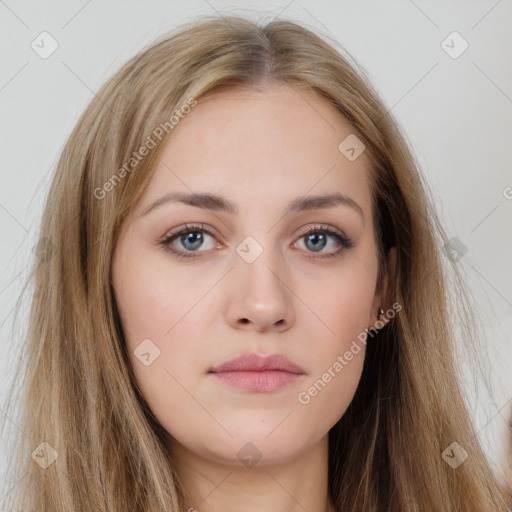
(261, 148)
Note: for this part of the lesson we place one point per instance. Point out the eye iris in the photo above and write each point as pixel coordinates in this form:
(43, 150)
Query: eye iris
(194, 237)
(315, 239)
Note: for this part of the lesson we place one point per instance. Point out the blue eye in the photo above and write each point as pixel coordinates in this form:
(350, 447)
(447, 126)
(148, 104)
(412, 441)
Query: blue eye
(317, 238)
(192, 238)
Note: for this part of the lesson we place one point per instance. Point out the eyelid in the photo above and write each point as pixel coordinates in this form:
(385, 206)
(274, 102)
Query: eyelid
(213, 232)
(165, 241)
(189, 226)
(318, 226)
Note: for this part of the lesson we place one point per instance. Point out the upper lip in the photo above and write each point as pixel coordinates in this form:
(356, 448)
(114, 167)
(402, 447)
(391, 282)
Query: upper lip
(255, 362)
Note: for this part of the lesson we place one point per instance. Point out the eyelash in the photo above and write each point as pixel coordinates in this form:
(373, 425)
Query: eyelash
(345, 242)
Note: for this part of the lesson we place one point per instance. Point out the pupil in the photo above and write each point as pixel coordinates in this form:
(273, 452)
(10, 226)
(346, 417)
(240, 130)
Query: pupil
(316, 237)
(190, 238)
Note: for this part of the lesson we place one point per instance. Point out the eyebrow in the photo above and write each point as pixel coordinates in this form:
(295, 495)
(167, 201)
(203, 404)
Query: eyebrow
(219, 204)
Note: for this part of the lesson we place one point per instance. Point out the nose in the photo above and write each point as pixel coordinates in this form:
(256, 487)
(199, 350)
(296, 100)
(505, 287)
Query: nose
(260, 299)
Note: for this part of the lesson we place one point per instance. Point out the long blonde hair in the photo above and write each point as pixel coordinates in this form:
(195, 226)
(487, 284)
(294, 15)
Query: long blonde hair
(388, 451)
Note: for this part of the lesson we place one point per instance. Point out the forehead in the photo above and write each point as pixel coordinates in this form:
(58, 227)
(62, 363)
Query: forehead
(259, 144)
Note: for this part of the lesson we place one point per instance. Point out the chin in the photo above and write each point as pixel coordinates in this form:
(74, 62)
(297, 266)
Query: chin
(253, 444)
(253, 452)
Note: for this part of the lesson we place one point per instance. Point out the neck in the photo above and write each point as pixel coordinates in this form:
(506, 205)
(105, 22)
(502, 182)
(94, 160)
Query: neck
(297, 484)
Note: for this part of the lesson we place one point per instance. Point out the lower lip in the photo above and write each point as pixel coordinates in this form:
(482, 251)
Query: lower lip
(259, 381)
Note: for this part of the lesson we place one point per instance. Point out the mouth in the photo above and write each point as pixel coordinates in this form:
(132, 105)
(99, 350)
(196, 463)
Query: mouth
(257, 373)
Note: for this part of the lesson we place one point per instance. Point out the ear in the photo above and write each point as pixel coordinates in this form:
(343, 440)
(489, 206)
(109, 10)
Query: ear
(383, 299)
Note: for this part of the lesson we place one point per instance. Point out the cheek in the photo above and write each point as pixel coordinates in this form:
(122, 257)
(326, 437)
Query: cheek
(342, 307)
(323, 400)
(153, 298)
(159, 322)
(160, 332)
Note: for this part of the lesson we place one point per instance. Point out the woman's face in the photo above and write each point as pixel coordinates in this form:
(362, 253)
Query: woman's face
(244, 277)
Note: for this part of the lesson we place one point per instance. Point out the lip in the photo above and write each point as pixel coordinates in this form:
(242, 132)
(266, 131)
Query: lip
(257, 373)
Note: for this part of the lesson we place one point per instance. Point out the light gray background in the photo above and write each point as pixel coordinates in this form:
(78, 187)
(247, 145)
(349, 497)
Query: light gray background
(455, 112)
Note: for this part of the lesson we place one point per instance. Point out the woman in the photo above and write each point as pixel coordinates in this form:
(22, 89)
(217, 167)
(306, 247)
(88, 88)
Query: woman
(242, 302)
